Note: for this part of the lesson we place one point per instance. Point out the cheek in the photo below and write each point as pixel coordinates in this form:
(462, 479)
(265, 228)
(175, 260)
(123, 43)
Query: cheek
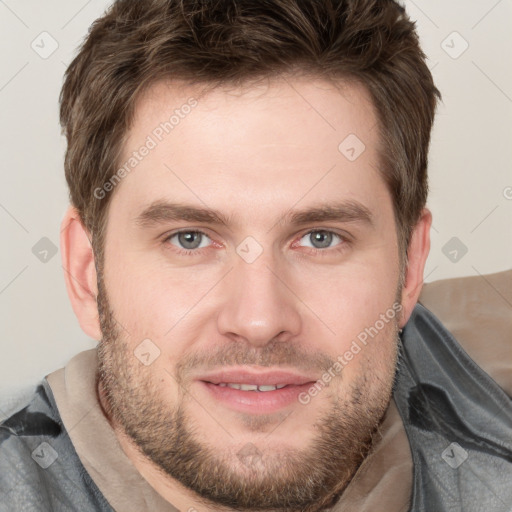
(152, 301)
(349, 299)
(356, 302)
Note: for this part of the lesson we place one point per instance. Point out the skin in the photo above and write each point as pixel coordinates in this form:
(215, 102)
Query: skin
(254, 154)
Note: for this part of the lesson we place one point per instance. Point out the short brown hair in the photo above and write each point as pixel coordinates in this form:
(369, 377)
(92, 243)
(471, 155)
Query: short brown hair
(216, 42)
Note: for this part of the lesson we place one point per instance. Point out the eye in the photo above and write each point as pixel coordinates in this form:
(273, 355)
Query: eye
(320, 239)
(189, 240)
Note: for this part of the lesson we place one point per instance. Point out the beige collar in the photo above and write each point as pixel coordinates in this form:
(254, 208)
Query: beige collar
(74, 389)
(383, 482)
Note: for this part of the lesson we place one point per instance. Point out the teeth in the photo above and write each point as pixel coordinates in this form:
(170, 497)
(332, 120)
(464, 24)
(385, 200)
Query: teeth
(246, 387)
(250, 387)
(266, 388)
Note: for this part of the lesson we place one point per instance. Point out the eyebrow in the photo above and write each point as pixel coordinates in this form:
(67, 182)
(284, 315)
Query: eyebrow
(160, 212)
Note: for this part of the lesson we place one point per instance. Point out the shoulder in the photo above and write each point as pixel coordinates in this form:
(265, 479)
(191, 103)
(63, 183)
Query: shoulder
(26, 451)
(477, 310)
(39, 468)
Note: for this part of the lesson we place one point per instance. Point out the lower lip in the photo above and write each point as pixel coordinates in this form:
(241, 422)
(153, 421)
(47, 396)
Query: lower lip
(256, 402)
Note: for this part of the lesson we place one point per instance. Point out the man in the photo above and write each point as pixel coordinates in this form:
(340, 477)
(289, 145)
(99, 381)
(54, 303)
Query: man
(247, 239)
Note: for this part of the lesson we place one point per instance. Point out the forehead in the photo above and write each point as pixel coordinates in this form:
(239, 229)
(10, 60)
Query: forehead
(276, 142)
(330, 109)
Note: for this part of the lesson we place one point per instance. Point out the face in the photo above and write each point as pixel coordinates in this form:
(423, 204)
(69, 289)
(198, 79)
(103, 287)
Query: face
(248, 300)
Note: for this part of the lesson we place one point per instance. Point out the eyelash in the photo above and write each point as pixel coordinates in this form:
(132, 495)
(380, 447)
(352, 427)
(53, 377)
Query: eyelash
(345, 241)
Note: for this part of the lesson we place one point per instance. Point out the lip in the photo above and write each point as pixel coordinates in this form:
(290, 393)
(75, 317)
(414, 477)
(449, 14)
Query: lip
(255, 402)
(266, 378)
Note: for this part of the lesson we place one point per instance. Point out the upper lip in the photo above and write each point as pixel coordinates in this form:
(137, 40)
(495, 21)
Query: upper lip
(261, 378)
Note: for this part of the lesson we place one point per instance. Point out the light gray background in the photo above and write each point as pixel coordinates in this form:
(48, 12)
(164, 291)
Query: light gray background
(470, 162)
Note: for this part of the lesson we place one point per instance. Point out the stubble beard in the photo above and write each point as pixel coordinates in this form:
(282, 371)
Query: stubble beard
(308, 479)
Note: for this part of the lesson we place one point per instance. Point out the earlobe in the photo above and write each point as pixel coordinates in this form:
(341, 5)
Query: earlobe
(419, 247)
(80, 272)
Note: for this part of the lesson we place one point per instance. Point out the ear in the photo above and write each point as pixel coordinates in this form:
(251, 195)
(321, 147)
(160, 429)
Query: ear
(417, 253)
(80, 272)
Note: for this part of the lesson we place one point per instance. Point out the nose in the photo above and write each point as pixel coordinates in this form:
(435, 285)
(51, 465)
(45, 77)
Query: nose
(259, 305)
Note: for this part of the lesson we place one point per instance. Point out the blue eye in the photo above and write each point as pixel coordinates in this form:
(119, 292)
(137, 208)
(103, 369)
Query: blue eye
(189, 240)
(321, 239)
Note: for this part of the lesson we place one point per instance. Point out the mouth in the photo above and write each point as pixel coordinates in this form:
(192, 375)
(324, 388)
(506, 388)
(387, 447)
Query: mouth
(251, 387)
(255, 393)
